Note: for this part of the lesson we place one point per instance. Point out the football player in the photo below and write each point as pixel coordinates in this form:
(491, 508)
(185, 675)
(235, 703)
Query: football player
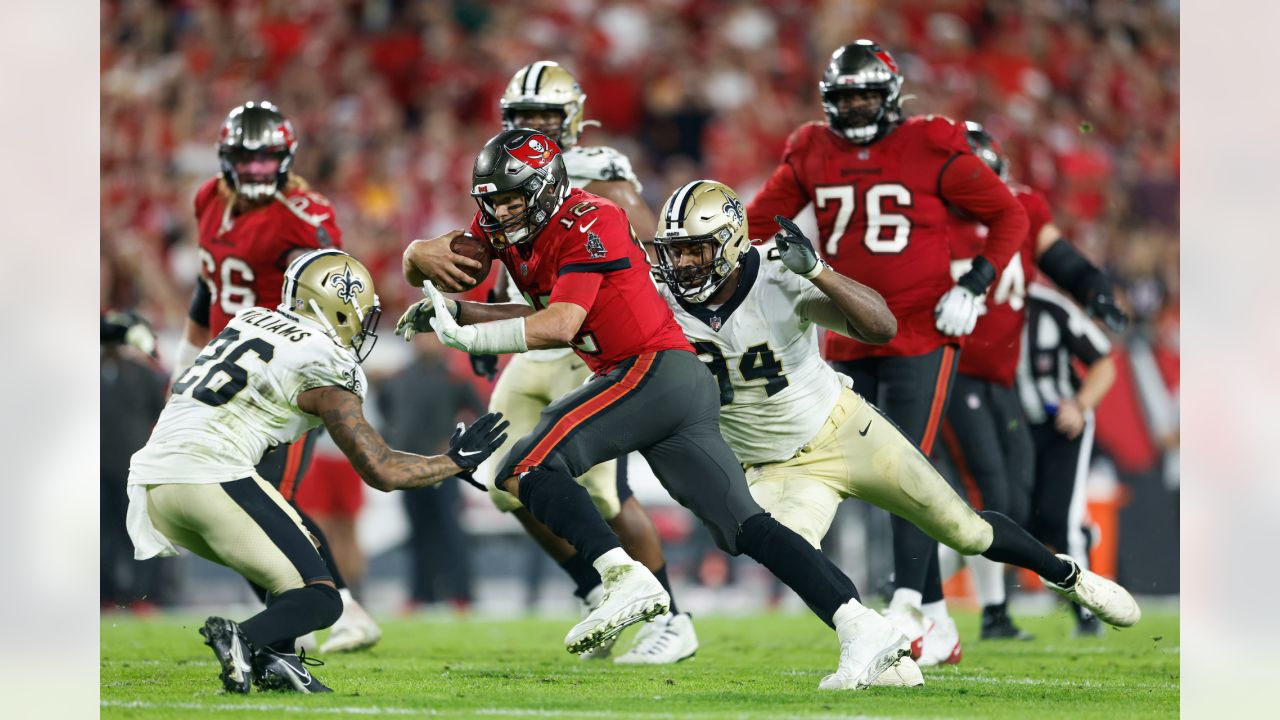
(985, 433)
(544, 96)
(265, 379)
(881, 185)
(574, 258)
(806, 439)
(253, 220)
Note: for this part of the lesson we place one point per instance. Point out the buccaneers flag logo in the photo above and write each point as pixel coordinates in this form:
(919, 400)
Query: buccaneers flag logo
(536, 151)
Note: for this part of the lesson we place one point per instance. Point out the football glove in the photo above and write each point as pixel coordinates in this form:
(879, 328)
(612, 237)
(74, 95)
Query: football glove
(418, 317)
(1103, 307)
(484, 365)
(471, 446)
(796, 250)
(957, 311)
(499, 336)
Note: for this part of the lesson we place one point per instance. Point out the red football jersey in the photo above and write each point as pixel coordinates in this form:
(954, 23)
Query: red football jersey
(625, 314)
(882, 220)
(991, 352)
(243, 258)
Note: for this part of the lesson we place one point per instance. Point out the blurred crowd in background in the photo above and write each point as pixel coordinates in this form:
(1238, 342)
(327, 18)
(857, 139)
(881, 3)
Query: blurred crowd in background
(392, 99)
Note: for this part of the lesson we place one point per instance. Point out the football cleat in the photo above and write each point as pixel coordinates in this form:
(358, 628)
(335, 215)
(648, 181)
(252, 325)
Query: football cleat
(589, 603)
(869, 645)
(355, 630)
(904, 673)
(631, 595)
(233, 652)
(1104, 598)
(285, 671)
(910, 621)
(997, 625)
(941, 643)
(665, 640)
(1087, 624)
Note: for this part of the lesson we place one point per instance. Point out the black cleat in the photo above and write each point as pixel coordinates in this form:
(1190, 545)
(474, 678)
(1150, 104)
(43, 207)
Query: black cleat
(997, 625)
(285, 671)
(233, 653)
(1087, 624)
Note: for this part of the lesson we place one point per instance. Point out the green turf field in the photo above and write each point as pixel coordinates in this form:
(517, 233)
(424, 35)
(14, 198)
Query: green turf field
(757, 667)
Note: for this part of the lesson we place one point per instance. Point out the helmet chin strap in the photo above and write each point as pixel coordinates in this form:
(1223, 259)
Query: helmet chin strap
(315, 310)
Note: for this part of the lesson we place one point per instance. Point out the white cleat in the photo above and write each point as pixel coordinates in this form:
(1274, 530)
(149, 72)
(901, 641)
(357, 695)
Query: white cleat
(869, 645)
(665, 640)
(631, 595)
(355, 630)
(910, 621)
(1104, 598)
(904, 673)
(941, 643)
(605, 649)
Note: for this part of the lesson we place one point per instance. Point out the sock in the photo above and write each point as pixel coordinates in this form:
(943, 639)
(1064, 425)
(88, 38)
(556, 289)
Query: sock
(323, 548)
(565, 507)
(932, 590)
(988, 580)
(798, 564)
(661, 574)
(905, 596)
(1011, 544)
(949, 562)
(585, 578)
(935, 611)
(292, 614)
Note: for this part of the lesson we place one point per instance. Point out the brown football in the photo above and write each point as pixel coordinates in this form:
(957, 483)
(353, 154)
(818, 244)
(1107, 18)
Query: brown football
(476, 249)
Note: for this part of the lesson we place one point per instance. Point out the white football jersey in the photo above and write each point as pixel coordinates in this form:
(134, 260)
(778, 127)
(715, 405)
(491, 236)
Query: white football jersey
(586, 165)
(776, 391)
(241, 397)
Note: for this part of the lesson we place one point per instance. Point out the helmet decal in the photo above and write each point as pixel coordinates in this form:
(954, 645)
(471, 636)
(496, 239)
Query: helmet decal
(348, 285)
(536, 151)
(886, 58)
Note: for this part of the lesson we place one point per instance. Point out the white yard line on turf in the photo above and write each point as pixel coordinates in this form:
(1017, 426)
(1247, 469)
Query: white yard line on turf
(943, 676)
(428, 712)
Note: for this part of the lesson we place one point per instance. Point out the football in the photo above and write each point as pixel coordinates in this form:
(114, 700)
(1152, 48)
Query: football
(476, 249)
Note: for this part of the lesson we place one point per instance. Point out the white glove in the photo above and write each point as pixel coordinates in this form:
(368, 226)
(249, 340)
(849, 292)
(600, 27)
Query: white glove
(501, 336)
(957, 312)
(418, 317)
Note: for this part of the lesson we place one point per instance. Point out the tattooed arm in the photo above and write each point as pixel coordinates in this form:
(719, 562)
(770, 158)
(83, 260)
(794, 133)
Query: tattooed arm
(380, 466)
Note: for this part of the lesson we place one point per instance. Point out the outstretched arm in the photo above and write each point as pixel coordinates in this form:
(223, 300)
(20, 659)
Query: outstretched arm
(383, 468)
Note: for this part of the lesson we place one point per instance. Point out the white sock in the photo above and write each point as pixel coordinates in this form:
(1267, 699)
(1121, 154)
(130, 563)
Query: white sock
(347, 597)
(613, 558)
(988, 579)
(848, 611)
(935, 611)
(905, 596)
(949, 561)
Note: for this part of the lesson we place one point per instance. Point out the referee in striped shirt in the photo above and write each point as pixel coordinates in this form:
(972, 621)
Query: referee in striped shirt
(1059, 407)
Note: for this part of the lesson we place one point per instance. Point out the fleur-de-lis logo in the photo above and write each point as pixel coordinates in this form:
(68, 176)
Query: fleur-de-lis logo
(348, 285)
(733, 206)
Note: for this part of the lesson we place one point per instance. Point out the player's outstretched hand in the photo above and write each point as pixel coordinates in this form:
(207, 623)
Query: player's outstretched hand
(957, 312)
(418, 317)
(436, 261)
(796, 250)
(471, 446)
(460, 337)
(1103, 307)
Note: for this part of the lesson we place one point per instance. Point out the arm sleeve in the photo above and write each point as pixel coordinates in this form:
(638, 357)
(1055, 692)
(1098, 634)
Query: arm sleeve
(968, 184)
(200, 300)
(784, 193)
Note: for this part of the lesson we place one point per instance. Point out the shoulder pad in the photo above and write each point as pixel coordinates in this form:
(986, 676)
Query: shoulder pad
(205, 194)
(943, 132)
(587, 164)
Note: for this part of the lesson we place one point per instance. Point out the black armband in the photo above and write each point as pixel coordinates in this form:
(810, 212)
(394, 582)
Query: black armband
(979, 277)
(1073, 272)
(200, 300)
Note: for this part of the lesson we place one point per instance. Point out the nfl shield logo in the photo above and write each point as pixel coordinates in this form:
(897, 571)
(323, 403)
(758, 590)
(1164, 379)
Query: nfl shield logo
(864, 154)
(524, 269)
(715, 323)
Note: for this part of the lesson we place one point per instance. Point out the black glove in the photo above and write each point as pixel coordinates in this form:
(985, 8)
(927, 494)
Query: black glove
(471, 446)
(796, 250)
(485, 366)
(1103, 307)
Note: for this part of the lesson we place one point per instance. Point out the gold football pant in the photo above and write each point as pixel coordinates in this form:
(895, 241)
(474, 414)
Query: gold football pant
(860, 453)
(244, 524)
(526, 387)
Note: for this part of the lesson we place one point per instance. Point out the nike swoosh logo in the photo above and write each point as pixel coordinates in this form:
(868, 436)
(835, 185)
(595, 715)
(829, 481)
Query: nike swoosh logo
(584, 228)
(302, 673)
(863, 431)
(464, 453)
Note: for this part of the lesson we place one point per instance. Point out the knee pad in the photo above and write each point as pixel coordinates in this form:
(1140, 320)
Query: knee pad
(973, 538)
